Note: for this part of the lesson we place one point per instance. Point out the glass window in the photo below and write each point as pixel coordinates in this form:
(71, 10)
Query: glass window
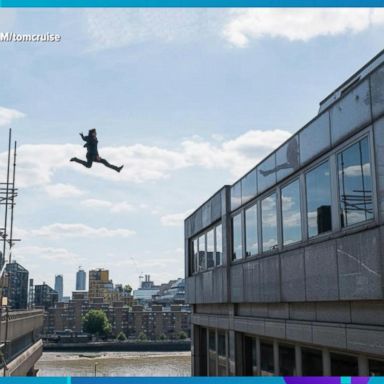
(250, 358)
(212, 353)
(287, 360)
(315, 137)
(194, 255)
(212, 341)
(343, 365)
(312, 362)
(355, 184)
(210, 249)
(290, 204)
(319, 215)
(236, 236)
(376, 367)
(222, 349)
(266, 173)
(287, 158)
(269, 223)
(351, 111)
(201, 252)
(251, 244)
(236, 196)
(266, 359)
(248, 187)
(219, 245)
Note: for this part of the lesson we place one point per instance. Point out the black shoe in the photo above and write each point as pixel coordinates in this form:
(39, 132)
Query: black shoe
(118, 169)
(73, 159)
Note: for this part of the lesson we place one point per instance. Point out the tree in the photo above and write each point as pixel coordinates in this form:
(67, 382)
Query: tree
(121, 336)
(182, 335)
(163, 336)
(142, 336)
(96, 322)
(128, 289)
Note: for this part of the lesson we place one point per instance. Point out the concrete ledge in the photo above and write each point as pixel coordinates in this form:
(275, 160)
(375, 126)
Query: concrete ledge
(23, 363)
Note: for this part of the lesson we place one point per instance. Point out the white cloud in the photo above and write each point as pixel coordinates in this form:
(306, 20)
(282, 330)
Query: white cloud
(355, 170)
(122, 207)
(38, 163)
(113, 28)
(7, 116)
(63, 190)
(300, 24)
(175, 219)
(62, 255)
(60, 230)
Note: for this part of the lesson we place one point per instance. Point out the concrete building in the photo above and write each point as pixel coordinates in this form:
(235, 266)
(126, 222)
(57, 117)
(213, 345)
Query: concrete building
(155, 323)
(147, 290)
(284, 269)
(45, 296)
(59, 286)
(17, 288)
(31, 294)
(81, 280)
(170, 293)
(100, 286)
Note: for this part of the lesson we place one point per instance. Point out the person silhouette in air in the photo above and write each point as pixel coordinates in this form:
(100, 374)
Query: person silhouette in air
(92, 153)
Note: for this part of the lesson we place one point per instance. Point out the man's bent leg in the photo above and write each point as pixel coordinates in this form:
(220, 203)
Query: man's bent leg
(87, 163)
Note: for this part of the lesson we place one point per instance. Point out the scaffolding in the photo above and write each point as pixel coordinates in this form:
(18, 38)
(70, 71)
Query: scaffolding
(8, 194)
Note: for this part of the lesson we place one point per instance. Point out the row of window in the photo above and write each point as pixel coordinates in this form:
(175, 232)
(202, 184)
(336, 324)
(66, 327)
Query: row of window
(207, 249)
(354, 195)
(217, 353)
(311, 361)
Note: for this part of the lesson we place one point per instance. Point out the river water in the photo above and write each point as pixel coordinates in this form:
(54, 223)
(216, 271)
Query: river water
(115, 364)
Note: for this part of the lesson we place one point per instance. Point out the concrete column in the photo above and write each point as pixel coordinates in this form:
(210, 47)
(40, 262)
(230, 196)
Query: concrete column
(231, 353)
(258, 356)
(363, 365)
(298, 361)
(326, 363)
(276, 362)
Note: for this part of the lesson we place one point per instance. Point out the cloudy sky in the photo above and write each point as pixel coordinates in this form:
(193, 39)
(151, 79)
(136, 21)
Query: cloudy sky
(187, 100)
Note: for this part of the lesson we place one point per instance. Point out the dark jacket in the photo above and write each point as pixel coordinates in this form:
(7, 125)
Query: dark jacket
(91, 145)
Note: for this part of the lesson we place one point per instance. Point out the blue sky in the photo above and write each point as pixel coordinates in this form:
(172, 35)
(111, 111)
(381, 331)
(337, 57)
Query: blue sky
(186, 99)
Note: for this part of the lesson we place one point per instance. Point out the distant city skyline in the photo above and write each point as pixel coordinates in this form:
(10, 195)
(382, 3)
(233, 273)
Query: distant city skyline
(187, 100)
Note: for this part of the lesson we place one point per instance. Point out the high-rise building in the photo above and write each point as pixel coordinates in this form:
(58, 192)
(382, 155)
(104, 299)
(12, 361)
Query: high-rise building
(17, 286)
(59, 286)
(284, 268)
(81, 280)
(100, 286)
(31, 294)
(45, 296)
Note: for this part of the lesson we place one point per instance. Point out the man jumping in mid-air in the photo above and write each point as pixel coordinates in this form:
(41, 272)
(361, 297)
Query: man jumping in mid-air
(92, 153)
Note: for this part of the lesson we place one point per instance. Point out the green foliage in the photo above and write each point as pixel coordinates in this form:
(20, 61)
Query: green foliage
(96, 322)
(127, 288)
(142, 336)
(182, 335)
(163, 336)
(121, 336)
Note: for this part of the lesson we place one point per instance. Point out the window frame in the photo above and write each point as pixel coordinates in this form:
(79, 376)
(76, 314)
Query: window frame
(366, 133)
(292, 180)
(307, 171)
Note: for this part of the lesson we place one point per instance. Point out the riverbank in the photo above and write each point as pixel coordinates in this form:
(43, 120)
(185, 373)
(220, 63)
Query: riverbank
(115, 346)
(114, 364)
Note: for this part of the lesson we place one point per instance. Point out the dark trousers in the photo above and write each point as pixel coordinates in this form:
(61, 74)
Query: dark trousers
(96, 159)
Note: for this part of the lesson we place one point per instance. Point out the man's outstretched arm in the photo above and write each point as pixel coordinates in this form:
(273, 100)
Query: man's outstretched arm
(83, 137)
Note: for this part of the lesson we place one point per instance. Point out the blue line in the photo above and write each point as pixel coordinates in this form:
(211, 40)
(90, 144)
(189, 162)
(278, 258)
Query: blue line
(191, 3)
